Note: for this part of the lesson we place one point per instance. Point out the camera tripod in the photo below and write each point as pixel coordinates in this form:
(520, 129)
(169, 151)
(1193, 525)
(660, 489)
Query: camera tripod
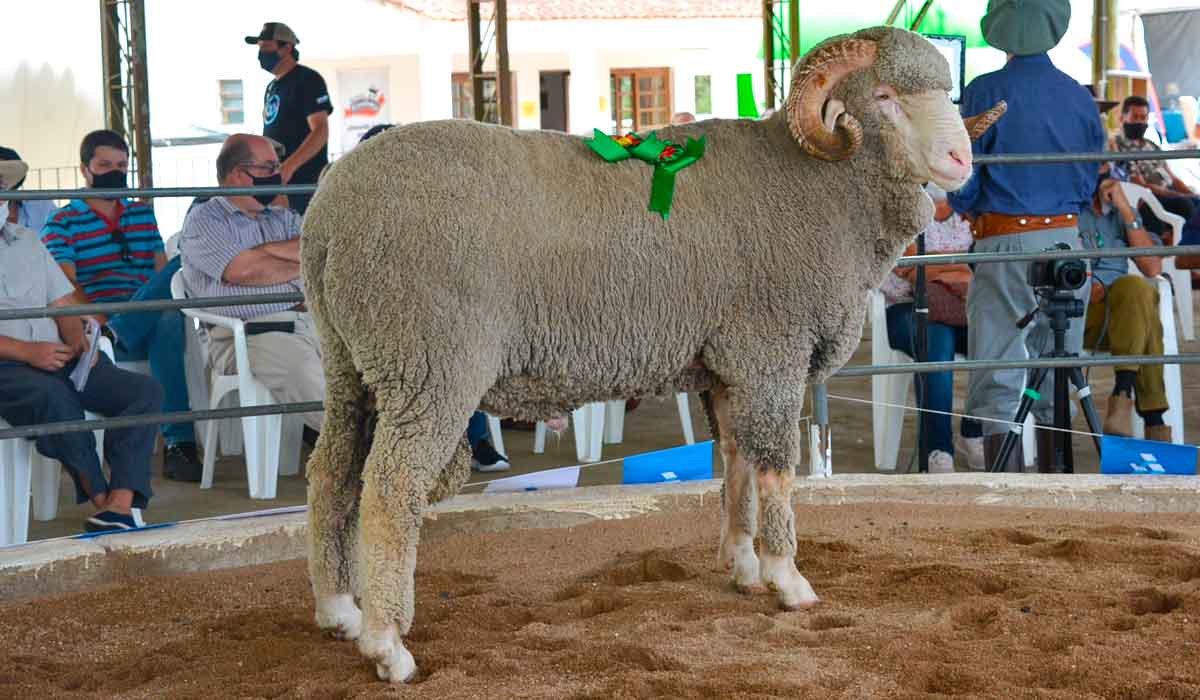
(1060, 306)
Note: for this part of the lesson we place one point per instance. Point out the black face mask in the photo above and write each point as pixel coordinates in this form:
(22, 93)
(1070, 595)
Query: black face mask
(1134, 132)
(265, 199)
(111, 180)
(268, 60)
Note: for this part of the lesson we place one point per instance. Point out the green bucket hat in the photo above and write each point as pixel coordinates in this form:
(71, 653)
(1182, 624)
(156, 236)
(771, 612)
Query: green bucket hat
(1025, 27)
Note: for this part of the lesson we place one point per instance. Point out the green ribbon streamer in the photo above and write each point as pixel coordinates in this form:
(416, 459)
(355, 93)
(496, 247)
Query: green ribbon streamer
(650, 150)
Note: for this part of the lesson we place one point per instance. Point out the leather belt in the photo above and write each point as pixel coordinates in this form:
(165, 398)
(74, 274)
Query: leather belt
(989, 225)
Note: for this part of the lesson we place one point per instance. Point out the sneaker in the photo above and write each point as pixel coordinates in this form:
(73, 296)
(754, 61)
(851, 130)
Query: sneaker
(485, 458)
(972, 451)
(941, 462)
(109, 521)
(180, 462)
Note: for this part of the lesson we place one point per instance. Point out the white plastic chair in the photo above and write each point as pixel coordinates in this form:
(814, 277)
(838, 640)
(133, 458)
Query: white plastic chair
(1181, 280)
(887, 421)
(271, 443)
(599, 423)
(25, 474)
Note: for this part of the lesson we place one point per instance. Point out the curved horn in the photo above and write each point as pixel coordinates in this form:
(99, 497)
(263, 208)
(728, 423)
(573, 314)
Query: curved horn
(980, 123)
(816, 76)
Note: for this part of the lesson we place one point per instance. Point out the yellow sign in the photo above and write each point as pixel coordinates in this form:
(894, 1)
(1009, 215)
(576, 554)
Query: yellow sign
(603, 103)
(529, 109)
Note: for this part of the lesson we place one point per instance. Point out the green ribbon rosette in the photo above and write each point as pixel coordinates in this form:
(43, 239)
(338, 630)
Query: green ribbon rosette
(667, 158)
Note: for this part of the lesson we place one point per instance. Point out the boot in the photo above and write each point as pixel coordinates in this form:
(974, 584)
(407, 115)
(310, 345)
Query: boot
(1158, 433)
(991, 450)
(1119, 418)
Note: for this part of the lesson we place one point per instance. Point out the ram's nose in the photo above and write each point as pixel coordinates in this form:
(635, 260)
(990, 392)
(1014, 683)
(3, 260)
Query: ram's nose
(960, 158)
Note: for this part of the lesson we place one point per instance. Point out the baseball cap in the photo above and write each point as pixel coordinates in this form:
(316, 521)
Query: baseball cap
(274, 31)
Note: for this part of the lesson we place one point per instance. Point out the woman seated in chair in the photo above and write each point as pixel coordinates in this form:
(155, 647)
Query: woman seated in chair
(946, 292)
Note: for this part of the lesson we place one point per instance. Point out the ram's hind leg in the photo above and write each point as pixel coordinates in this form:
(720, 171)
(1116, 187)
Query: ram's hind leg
(334, 474)
(739, 503)
(415, 439)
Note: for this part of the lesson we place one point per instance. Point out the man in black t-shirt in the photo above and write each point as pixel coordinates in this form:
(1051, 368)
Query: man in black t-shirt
(296, 109)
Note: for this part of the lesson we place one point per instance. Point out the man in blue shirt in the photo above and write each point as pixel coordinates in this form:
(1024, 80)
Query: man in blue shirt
(1023, 208)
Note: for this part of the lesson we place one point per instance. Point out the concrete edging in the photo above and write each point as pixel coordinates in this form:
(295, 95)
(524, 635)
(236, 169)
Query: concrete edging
(60, 566)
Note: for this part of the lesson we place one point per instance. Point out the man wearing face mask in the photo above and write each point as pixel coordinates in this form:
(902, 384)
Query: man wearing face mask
(111, 251)
(296, 109)
(242, 245)
(1175, 195)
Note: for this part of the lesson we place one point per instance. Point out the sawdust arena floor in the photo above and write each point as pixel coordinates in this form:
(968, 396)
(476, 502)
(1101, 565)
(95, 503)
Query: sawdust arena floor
(919, 601)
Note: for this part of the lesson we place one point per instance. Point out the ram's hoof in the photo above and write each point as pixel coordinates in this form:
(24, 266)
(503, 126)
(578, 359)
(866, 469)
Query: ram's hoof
(791, 589)
(340, 617)
(393, 663)
(402, 668)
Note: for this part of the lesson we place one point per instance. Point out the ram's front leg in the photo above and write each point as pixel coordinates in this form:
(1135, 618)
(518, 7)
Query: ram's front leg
(768, 432)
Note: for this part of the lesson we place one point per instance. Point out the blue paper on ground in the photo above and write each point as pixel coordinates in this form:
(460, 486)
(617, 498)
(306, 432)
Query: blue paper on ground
(687, 463)
(1120, 455)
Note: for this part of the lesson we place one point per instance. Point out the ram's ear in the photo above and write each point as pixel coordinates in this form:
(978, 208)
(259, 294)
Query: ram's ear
(978, 124)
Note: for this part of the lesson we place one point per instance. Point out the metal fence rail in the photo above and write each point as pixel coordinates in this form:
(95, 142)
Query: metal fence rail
(31, 431)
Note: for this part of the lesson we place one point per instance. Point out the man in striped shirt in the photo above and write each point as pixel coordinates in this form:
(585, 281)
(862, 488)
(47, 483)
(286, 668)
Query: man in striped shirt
(109, 249)
(241, 245)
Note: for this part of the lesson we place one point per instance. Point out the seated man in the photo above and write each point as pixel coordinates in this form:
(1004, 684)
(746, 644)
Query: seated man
(1122, 316)
(37, 357)
(110, 249)
(240, 245)
(1175, 195)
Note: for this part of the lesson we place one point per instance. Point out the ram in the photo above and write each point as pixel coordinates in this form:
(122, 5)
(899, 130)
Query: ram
(452, 264)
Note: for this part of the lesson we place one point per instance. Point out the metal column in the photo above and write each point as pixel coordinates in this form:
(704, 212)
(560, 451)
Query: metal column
(478, 50)
(126, 86)
(781, 23)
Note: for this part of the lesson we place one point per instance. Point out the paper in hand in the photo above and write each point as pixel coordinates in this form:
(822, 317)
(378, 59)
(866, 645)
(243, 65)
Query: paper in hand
(83, 367)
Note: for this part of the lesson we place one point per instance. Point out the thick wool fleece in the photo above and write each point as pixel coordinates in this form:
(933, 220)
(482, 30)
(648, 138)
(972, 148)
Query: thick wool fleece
(520, 269)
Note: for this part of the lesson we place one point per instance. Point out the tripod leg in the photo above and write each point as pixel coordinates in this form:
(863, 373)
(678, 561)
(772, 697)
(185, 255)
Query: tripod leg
(1014, 432)
(1084, 391)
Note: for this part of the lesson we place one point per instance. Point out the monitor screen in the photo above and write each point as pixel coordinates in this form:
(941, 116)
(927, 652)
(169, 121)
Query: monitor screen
(954, 48)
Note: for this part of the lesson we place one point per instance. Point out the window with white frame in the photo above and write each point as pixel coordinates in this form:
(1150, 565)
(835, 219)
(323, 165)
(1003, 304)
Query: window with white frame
(232, 106)
(703, 94)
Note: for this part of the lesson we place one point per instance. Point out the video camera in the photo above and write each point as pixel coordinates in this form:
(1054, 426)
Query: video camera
(1057, 275)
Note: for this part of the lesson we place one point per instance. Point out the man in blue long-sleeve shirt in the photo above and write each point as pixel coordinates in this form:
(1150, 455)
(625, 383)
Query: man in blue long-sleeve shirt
(1023, 208)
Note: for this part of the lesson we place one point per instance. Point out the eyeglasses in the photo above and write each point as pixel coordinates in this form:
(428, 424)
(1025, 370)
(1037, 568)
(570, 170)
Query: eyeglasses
(261, 169)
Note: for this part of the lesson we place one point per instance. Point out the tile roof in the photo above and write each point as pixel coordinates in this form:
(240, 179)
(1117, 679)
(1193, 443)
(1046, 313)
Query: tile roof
(533, 10)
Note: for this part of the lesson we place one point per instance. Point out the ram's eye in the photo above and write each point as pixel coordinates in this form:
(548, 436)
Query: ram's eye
(882, 96)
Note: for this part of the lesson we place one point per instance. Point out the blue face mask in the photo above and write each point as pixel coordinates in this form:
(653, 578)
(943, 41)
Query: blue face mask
(268, 60)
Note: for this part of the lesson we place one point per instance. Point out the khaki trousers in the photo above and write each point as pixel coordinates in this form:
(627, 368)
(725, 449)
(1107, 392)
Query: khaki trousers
(1131, 305)
(289, 364)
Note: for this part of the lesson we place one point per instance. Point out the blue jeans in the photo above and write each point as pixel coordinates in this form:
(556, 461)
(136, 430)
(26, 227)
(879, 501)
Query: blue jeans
(158, 337)
(29, 396)
(477, 429)
(942, 342)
